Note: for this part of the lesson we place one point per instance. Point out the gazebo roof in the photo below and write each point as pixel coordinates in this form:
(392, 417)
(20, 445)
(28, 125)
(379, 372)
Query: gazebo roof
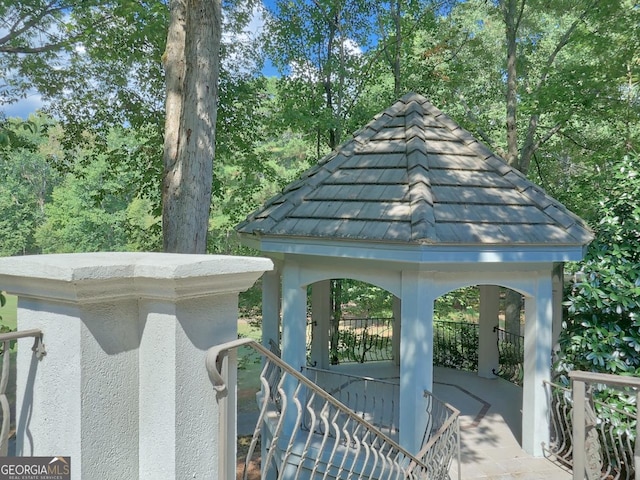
(413, 176)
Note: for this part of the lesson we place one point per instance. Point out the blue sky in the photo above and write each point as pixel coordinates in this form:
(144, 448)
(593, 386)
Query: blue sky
(23, 107)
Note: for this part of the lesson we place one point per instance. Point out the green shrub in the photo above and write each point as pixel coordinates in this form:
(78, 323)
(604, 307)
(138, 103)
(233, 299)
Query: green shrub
(602, 326)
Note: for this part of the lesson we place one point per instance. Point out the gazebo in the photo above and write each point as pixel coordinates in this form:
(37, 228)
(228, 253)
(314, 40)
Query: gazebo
(414, 204)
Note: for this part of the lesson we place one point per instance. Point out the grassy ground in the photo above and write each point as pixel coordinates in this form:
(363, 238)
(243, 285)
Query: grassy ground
(249, 367)
(9, 312)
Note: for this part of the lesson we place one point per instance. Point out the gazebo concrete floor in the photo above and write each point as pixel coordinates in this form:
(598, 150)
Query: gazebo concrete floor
(490, 423)
(490, 428)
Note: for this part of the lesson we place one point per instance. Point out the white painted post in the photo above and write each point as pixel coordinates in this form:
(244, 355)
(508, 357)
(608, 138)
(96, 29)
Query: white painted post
(416, 361)
(396, 330)
(321, 317)
(294, 318)
(579, 390)
(558, 292)
(123, 389)
(488, 355)
(537, 366)
(271, 305)
(636, 452)
(294, 328)
(271, 308)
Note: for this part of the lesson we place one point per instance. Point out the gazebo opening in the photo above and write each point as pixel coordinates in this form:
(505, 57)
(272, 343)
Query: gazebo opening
(460, 329)
(362, 325)
(350, 322)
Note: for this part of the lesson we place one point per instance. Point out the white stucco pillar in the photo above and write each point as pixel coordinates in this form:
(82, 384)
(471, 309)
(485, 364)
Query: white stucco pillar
(537, 365)
(321, 317)
(123, 389)
(271, 308)
(488, 355)
(396, 330)
(416, 360)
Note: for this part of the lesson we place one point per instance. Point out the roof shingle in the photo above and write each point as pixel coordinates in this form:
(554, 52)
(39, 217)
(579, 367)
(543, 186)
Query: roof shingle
(413, 175)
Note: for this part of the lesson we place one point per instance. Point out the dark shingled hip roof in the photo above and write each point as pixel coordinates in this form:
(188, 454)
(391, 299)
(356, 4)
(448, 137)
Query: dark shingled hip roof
(412, 175)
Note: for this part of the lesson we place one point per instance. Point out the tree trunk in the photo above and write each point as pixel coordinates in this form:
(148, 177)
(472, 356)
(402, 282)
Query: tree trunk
(511, 21)
(191, 65)
(397, 80)
(328, 83)
(511, 29)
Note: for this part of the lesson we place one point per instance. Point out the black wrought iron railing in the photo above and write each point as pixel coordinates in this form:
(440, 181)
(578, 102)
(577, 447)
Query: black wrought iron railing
(359, 340)
(455, 345)
(511, 356)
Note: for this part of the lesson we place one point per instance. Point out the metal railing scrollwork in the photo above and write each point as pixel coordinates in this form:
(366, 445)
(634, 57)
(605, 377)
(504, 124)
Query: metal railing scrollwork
(307, 433)
(594, 426)
(511, 356)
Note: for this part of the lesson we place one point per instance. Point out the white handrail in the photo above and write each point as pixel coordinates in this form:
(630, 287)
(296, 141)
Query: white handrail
(341, 445)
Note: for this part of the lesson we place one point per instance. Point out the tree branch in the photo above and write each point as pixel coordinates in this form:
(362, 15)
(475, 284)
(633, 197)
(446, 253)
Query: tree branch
(576, 143)
(386, 44)
(29, 22)
(520, 13)
(45, 48)
(564, 40)
(530, 147)
(550, 133)
(483, 135)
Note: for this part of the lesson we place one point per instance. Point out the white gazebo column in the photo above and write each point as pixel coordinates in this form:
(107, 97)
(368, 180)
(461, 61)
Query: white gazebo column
(321, 317)
(123, 389)
(294, 329)
(294, 317)
(537, 365)
(396, 330)
(271, 308)
(488, 355)
(271, 304)
(416, 361)
(558, 293)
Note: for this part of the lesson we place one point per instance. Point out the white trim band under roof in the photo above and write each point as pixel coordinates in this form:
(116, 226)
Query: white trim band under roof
(422, 253)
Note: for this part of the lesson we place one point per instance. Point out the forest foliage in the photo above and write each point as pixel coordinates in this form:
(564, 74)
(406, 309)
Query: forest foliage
(550, 85)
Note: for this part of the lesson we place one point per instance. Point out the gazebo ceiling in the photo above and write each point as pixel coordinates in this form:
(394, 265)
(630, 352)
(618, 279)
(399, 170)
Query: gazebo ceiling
(414, 177)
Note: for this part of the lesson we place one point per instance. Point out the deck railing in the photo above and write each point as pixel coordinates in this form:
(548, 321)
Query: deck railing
(441, 443)
(510, 355)
(361, 340)
(38, 348)
(560, 407)
(376, 400)
(337, 442)
(455, 345)
(594, 426)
